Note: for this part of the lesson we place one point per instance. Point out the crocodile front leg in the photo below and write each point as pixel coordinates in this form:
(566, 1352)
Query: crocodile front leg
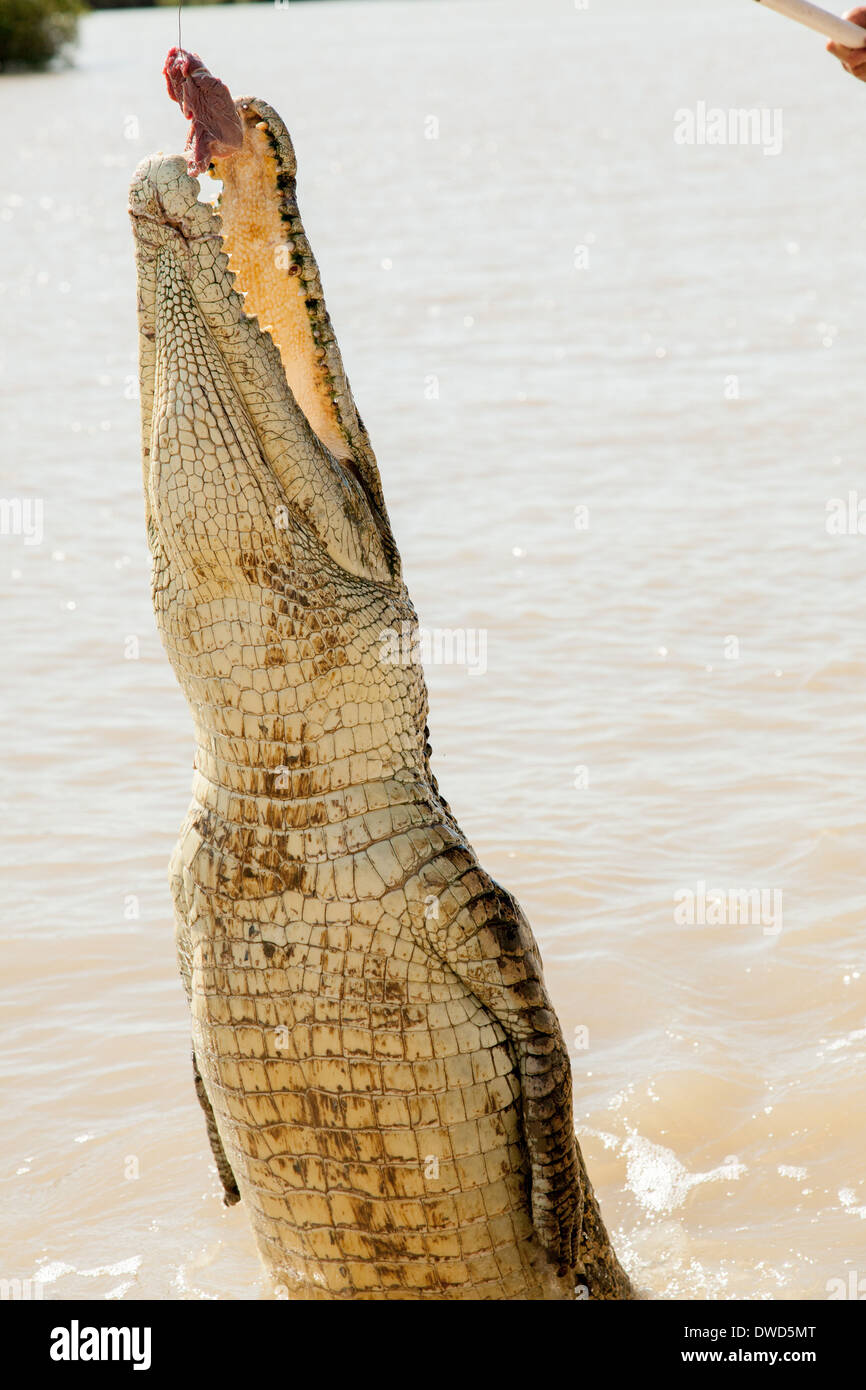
(182, 912)
(231, 1195)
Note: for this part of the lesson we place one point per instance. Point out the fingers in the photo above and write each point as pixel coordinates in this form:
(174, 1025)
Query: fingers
(853, 60)
(558, 1230)
(566, 1254)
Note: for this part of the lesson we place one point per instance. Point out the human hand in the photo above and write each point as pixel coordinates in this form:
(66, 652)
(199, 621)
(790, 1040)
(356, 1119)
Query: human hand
(853, 60)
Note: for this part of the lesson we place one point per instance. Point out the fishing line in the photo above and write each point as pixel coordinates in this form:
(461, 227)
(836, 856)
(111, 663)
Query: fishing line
(179, 4)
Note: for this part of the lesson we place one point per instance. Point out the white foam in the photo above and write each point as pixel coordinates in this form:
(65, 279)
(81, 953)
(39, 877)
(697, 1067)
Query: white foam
(130, 1266)
(658, 1179)
(858, 1035)
(49, 1273)
(848, 1198)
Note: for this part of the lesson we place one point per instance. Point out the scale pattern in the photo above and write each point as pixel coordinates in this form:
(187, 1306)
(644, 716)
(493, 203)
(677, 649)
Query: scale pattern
(384, 1079)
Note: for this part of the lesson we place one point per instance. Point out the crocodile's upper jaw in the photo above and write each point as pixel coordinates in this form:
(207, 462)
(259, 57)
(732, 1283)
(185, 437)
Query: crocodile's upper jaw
(242, 284)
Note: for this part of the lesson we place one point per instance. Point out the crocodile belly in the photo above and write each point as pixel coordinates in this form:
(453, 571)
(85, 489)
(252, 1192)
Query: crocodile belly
(368, 1105)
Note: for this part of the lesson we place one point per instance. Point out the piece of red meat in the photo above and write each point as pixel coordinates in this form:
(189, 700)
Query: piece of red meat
(216, 126)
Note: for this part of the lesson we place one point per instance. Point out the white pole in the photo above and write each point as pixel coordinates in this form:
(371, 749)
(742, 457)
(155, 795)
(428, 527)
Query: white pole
(839, 30)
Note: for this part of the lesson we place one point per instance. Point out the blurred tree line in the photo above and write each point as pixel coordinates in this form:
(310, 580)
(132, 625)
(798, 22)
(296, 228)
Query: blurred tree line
(32, 32)
(143, 4)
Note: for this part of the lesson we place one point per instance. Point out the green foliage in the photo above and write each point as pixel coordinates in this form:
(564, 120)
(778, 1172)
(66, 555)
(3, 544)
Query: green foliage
(209, 2)
(32, 32)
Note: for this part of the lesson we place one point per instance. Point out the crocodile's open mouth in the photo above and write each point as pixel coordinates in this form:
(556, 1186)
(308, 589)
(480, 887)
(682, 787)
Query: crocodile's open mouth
(255, 284)
(275, 270)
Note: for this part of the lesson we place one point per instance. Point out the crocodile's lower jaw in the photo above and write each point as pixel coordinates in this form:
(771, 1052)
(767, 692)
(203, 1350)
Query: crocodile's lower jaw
(384, 1080)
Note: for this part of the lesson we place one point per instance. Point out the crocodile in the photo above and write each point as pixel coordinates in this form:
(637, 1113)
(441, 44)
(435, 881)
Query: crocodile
(384, 1079)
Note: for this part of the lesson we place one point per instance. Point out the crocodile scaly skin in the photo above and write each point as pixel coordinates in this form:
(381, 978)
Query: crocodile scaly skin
(383, 1076)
